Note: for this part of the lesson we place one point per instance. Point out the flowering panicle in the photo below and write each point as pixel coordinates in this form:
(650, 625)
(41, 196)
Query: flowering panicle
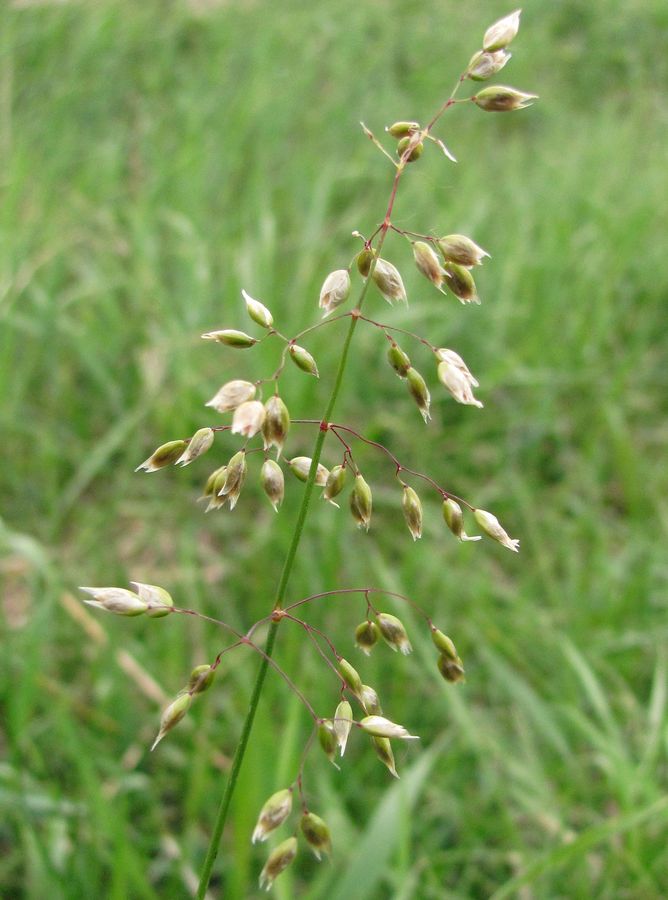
(259, 422)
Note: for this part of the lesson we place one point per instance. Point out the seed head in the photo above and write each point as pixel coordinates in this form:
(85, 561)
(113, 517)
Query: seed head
(274, 812)
(279, 859)
(419, 392)
(301, 467)
(248, 418)
(335, 290)
(492, 528)
(398, 360)
(201, 679)
(394, 633)
(501, 33)
(428, 263)
(165, 455)
(366, 636)
(460, 282)
(484, 64)
(388, 281)
(500, 98)
(343, 722)
(303, 360)
(383, 749)
(231, 338)
(199, 443)
(369, 700)
(361, 502)
(172, 716)
(378, 726)
(258, 311)
(160, 602)
(457, 248)
(454, 519)
(334, 484)
(317, 834)
(273, 482)
(412, 509)
(231, 395)
(116, 600)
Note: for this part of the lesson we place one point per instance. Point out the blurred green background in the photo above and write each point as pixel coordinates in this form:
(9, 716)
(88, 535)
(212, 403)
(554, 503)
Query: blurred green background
(155, 157)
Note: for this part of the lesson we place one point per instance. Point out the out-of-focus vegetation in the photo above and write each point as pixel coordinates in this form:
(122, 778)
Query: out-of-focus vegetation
(154, 158)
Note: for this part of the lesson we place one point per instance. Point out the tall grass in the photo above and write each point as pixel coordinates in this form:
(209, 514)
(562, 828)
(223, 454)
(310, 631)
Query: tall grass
(154, 158)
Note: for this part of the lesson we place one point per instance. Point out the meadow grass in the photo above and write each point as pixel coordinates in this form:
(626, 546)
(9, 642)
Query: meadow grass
(157, 157)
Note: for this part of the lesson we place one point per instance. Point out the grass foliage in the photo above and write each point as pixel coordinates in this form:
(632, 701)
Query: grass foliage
(154, 158)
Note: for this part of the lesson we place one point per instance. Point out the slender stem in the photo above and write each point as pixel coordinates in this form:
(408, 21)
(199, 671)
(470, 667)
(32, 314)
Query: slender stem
(217, 832)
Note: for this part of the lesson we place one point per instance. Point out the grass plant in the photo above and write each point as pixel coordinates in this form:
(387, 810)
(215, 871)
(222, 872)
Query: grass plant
(152, 159)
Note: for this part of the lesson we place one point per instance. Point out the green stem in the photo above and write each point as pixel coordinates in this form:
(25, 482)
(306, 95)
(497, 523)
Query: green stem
(221, 818)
